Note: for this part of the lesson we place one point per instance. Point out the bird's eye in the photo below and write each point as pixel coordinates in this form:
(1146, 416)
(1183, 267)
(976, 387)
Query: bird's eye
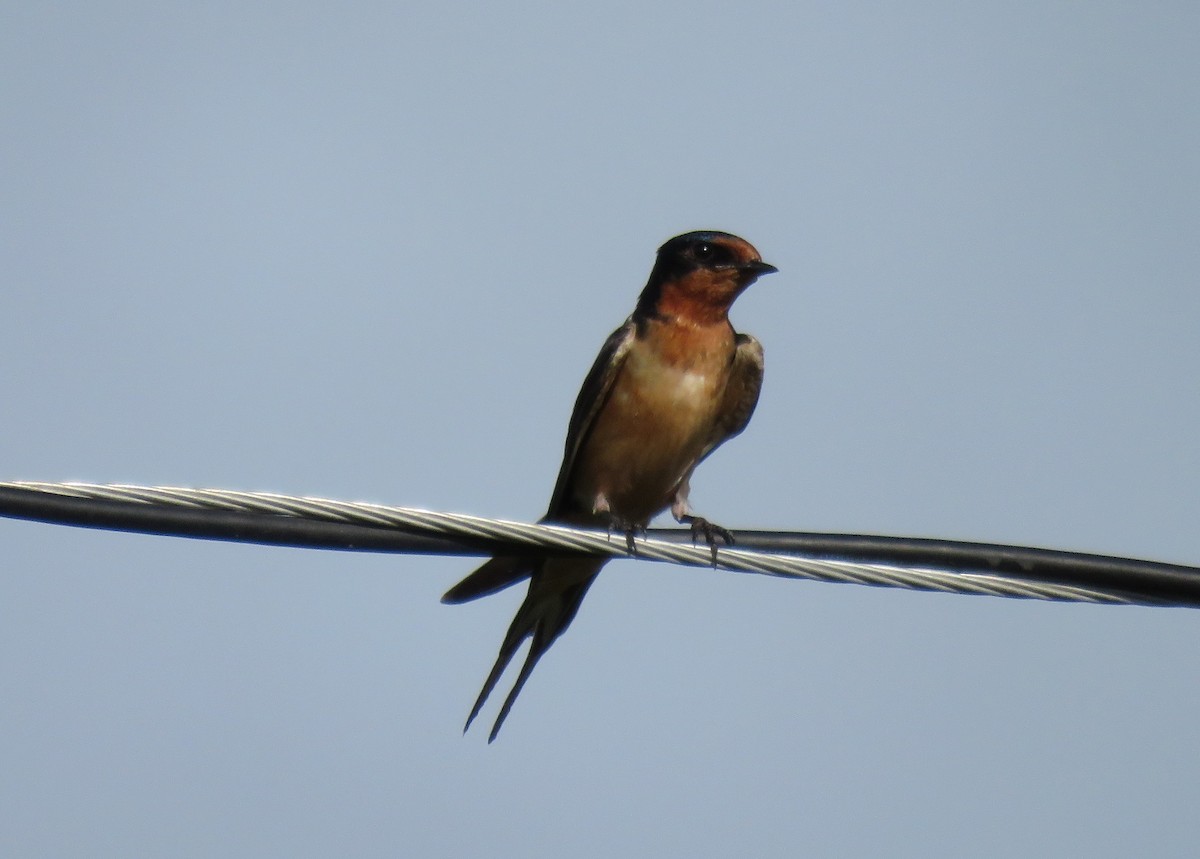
(704, 252)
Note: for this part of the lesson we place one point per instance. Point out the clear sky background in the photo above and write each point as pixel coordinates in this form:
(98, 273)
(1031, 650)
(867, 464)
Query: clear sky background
(369, 251)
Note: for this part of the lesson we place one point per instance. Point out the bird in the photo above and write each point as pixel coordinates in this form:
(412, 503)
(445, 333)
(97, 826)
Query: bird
(669, 386)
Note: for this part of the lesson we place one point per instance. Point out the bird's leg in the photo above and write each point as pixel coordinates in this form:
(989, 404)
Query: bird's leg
(710, 530)
(682, 511)
(632, 529)
(629, 529)
(601, 507)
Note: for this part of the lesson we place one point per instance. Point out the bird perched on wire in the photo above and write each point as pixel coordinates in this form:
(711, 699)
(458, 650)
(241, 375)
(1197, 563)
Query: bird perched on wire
(669, 386)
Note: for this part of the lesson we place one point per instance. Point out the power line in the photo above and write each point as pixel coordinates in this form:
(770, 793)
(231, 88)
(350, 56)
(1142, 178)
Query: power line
(904, 562)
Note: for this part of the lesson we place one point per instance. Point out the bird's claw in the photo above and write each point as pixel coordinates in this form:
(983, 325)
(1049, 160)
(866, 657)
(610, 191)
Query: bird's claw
(630, 531)
(701, 526)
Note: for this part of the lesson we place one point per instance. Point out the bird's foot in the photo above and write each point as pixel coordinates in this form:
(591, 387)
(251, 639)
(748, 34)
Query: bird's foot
(629, 529)
(710, 531)
(631, 533)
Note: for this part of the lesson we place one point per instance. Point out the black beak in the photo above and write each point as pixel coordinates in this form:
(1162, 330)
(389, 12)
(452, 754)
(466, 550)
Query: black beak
(758, 268)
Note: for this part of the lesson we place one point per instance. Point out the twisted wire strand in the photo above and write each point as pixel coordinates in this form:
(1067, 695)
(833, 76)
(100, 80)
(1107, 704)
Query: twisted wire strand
(464, 534)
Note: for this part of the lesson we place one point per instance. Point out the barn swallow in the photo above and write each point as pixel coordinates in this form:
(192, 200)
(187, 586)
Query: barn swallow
(669, 387)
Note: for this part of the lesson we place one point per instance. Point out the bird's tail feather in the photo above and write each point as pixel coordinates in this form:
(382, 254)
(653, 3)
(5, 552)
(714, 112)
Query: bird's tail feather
(512, 642)
(555, 594)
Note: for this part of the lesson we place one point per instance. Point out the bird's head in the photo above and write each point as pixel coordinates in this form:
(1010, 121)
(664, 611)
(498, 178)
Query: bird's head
(698, 275)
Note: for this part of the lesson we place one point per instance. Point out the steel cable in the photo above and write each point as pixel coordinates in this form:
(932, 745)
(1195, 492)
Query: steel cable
(912, 563)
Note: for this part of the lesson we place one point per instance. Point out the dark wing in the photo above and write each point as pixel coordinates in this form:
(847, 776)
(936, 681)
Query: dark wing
(501, 572)
(741, 393)
(495, 575)
(592, 397)
(556, 588)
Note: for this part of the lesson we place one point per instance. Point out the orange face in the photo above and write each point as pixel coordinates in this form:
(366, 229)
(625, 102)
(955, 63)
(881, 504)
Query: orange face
(699, 275)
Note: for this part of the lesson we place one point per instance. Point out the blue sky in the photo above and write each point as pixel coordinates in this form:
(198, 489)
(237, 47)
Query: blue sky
(369, 253)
